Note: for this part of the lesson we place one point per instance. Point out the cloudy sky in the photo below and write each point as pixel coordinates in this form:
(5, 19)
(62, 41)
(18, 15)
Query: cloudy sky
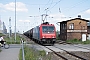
(28, 12)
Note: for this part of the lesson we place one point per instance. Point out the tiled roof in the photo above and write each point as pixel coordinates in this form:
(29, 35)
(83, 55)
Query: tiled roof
(75, 19)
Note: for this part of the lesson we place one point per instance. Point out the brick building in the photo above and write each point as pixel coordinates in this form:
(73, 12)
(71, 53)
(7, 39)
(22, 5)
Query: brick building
(74, 29)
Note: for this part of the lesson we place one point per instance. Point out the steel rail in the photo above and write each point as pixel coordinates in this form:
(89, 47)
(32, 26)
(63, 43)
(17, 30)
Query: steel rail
(72, 54)
(57, 53)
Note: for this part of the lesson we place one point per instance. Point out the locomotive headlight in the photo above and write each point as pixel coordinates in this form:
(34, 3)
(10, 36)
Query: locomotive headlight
(43, 37)
(53, 37)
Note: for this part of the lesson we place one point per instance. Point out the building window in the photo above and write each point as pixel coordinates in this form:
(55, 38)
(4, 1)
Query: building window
(71, 26)
(63, 26)
(83, 27)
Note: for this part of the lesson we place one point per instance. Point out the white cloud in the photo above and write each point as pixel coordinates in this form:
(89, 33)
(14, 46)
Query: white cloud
(11, 6)
(88, 11)
(87, 18)
(59, 17)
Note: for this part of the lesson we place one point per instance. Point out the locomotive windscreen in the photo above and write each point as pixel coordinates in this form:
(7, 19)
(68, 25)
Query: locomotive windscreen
(48, 29)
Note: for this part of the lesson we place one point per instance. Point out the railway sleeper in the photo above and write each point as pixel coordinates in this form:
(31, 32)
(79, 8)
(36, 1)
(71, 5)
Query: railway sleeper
(68, 56)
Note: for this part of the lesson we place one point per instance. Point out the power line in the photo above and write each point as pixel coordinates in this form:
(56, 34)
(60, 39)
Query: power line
(80, 11)
(75, 5)
(49, 8)
(53, 4)
(56, 4)
(47, 3)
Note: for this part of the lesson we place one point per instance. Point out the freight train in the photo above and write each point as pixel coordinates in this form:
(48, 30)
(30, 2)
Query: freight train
(43, 34)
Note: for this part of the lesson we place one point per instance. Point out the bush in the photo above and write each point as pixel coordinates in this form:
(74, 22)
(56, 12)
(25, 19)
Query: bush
(76, 41)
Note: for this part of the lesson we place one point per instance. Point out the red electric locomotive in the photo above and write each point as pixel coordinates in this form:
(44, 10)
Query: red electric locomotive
(45, 33)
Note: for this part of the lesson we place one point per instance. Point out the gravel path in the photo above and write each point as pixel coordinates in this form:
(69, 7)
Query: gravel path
(10, 54)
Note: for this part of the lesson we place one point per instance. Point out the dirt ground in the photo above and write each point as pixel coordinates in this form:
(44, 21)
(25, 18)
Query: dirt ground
(85, 55)
(52, 56)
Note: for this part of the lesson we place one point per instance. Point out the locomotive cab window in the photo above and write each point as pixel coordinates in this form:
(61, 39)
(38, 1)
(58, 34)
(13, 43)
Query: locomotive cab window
(49, 29)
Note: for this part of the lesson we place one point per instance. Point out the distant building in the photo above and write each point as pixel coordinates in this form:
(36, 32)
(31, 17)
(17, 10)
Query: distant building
(4, 28)
(1, 27)
(74, 29)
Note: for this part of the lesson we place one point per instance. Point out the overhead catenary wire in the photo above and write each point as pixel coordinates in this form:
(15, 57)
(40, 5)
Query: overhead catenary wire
(80, 11)
(75, 5)
(55, 4)
(52, 4)
(47, 3)
(48, 6)
(68, 8)
(45, 10)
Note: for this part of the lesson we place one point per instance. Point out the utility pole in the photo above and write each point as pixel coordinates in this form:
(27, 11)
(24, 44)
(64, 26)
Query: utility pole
(10, 31)
(15, 20)
(9, 27)
(0, 22)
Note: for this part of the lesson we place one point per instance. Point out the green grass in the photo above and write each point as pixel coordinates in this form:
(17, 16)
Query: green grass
(12, 39)
(2, 34)
(20, 54)
(76, 41)
(31, 54)
(86, 42)
(0, 50)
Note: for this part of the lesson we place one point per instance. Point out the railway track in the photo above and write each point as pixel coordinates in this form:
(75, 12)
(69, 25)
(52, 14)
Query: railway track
(65, 55)
(82, 47)
(81, 54)
(64, 42)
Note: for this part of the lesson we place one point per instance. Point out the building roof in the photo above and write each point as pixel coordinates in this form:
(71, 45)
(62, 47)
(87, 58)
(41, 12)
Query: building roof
(75, 19)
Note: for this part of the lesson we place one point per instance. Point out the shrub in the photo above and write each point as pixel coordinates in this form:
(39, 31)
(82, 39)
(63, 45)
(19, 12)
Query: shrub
(76, 41)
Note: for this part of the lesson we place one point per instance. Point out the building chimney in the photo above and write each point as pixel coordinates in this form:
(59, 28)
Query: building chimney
(79, 16)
